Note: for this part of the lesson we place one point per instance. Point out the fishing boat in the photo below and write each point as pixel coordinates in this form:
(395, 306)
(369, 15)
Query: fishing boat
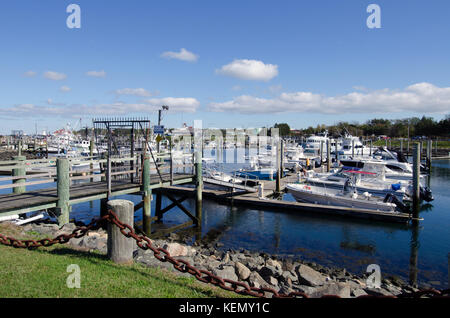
(373, 184)
(339, 197)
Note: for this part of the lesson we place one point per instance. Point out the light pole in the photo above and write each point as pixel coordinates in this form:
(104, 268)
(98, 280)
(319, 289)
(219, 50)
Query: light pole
(163, 107)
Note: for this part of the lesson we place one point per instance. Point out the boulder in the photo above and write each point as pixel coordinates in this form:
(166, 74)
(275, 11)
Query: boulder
(358, 292)
(338, 289)
(256, 280)
(270, 271)
(226, 272)
(308, 276)
(176, 249)
(242, 271)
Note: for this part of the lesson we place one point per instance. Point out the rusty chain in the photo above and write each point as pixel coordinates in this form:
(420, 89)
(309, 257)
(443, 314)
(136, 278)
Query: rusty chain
(78, 232)
(145, 243)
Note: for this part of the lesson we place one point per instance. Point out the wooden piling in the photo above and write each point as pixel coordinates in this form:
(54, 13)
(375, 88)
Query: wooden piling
(146, 197)
(19, 172)
(278, 161)
(328, 155)
(321, 151)
(416, 180)
(353, 148)
(120, 247)
(91, 154)
(62, 189)
(198, 188)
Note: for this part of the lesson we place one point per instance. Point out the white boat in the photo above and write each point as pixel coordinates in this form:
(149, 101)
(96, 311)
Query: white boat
(363, 182)
(335, 197)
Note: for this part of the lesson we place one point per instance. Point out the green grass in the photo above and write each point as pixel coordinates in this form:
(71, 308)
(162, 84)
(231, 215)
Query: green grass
(42, 273)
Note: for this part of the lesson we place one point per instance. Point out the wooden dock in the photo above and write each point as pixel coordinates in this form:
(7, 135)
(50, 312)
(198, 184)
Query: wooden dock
(246, 199)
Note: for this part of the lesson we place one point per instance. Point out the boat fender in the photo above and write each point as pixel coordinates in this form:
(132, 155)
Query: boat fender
(395, 186)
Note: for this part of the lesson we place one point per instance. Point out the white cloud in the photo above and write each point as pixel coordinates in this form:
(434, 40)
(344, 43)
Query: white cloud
(249, 70)
(65, 89)
(420, 98)
(183, 104)
(183, 55)
(55, 76)
(29, 74)
(133, 91)
(96, 73)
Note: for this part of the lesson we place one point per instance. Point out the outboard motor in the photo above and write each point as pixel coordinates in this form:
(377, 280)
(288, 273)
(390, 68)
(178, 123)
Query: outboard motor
(426, 194)
(390, 198)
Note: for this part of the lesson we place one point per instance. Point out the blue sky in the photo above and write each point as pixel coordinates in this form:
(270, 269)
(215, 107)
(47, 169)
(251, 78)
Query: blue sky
(246, 63)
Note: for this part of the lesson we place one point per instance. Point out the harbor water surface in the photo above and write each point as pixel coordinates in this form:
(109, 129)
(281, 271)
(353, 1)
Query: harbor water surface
(353, 244)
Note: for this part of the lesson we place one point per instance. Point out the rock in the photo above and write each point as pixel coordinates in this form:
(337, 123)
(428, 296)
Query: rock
(308, 276)
(377, 291)
(226, 272)
(288, 275)
(358, 292)
(270, 271)
(338, 289)
(242, 271)
(226, 258)
(256, 280)
(176, 249)
(274, 263)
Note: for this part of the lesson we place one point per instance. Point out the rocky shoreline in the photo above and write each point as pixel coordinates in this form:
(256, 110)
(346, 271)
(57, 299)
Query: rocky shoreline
(284, 275)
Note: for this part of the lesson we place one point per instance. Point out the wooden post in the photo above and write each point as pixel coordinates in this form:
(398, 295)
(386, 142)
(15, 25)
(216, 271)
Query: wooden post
(19, 172)
(146, 197)
(278, 161)
(321, 152)
(91, 154)
(401, 145)
(353, 148)
(429, 150)
(416, 179)
(336, 150)
(63, 190)
(198, 188)
(371, 147)
(120, 247)
(328, 155)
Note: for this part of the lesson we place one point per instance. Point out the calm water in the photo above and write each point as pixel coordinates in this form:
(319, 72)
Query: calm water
(353, 244)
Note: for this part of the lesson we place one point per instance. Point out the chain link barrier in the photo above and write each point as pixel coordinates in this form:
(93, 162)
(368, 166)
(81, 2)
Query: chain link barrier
(145, 243)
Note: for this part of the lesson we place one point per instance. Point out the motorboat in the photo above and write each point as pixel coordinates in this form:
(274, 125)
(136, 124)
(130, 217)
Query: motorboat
(349, 198)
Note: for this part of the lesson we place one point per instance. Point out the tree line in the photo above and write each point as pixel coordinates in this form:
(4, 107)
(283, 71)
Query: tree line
(396, 128)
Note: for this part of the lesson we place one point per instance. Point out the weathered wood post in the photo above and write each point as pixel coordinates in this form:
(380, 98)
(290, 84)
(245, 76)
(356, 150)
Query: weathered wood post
(328, 155)
(371, 142)
(401, 145)
(146, 196)
(336, 154)
(63, 190)
(120, 247)
(321, 152)
(91, 154)
(158, 214)
(353, 148)
(198, 188)
(278, 171)
(416, 179)
(19, 172)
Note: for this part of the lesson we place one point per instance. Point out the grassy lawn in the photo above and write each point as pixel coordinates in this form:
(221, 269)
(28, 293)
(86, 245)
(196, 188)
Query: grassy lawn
(42, 273)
